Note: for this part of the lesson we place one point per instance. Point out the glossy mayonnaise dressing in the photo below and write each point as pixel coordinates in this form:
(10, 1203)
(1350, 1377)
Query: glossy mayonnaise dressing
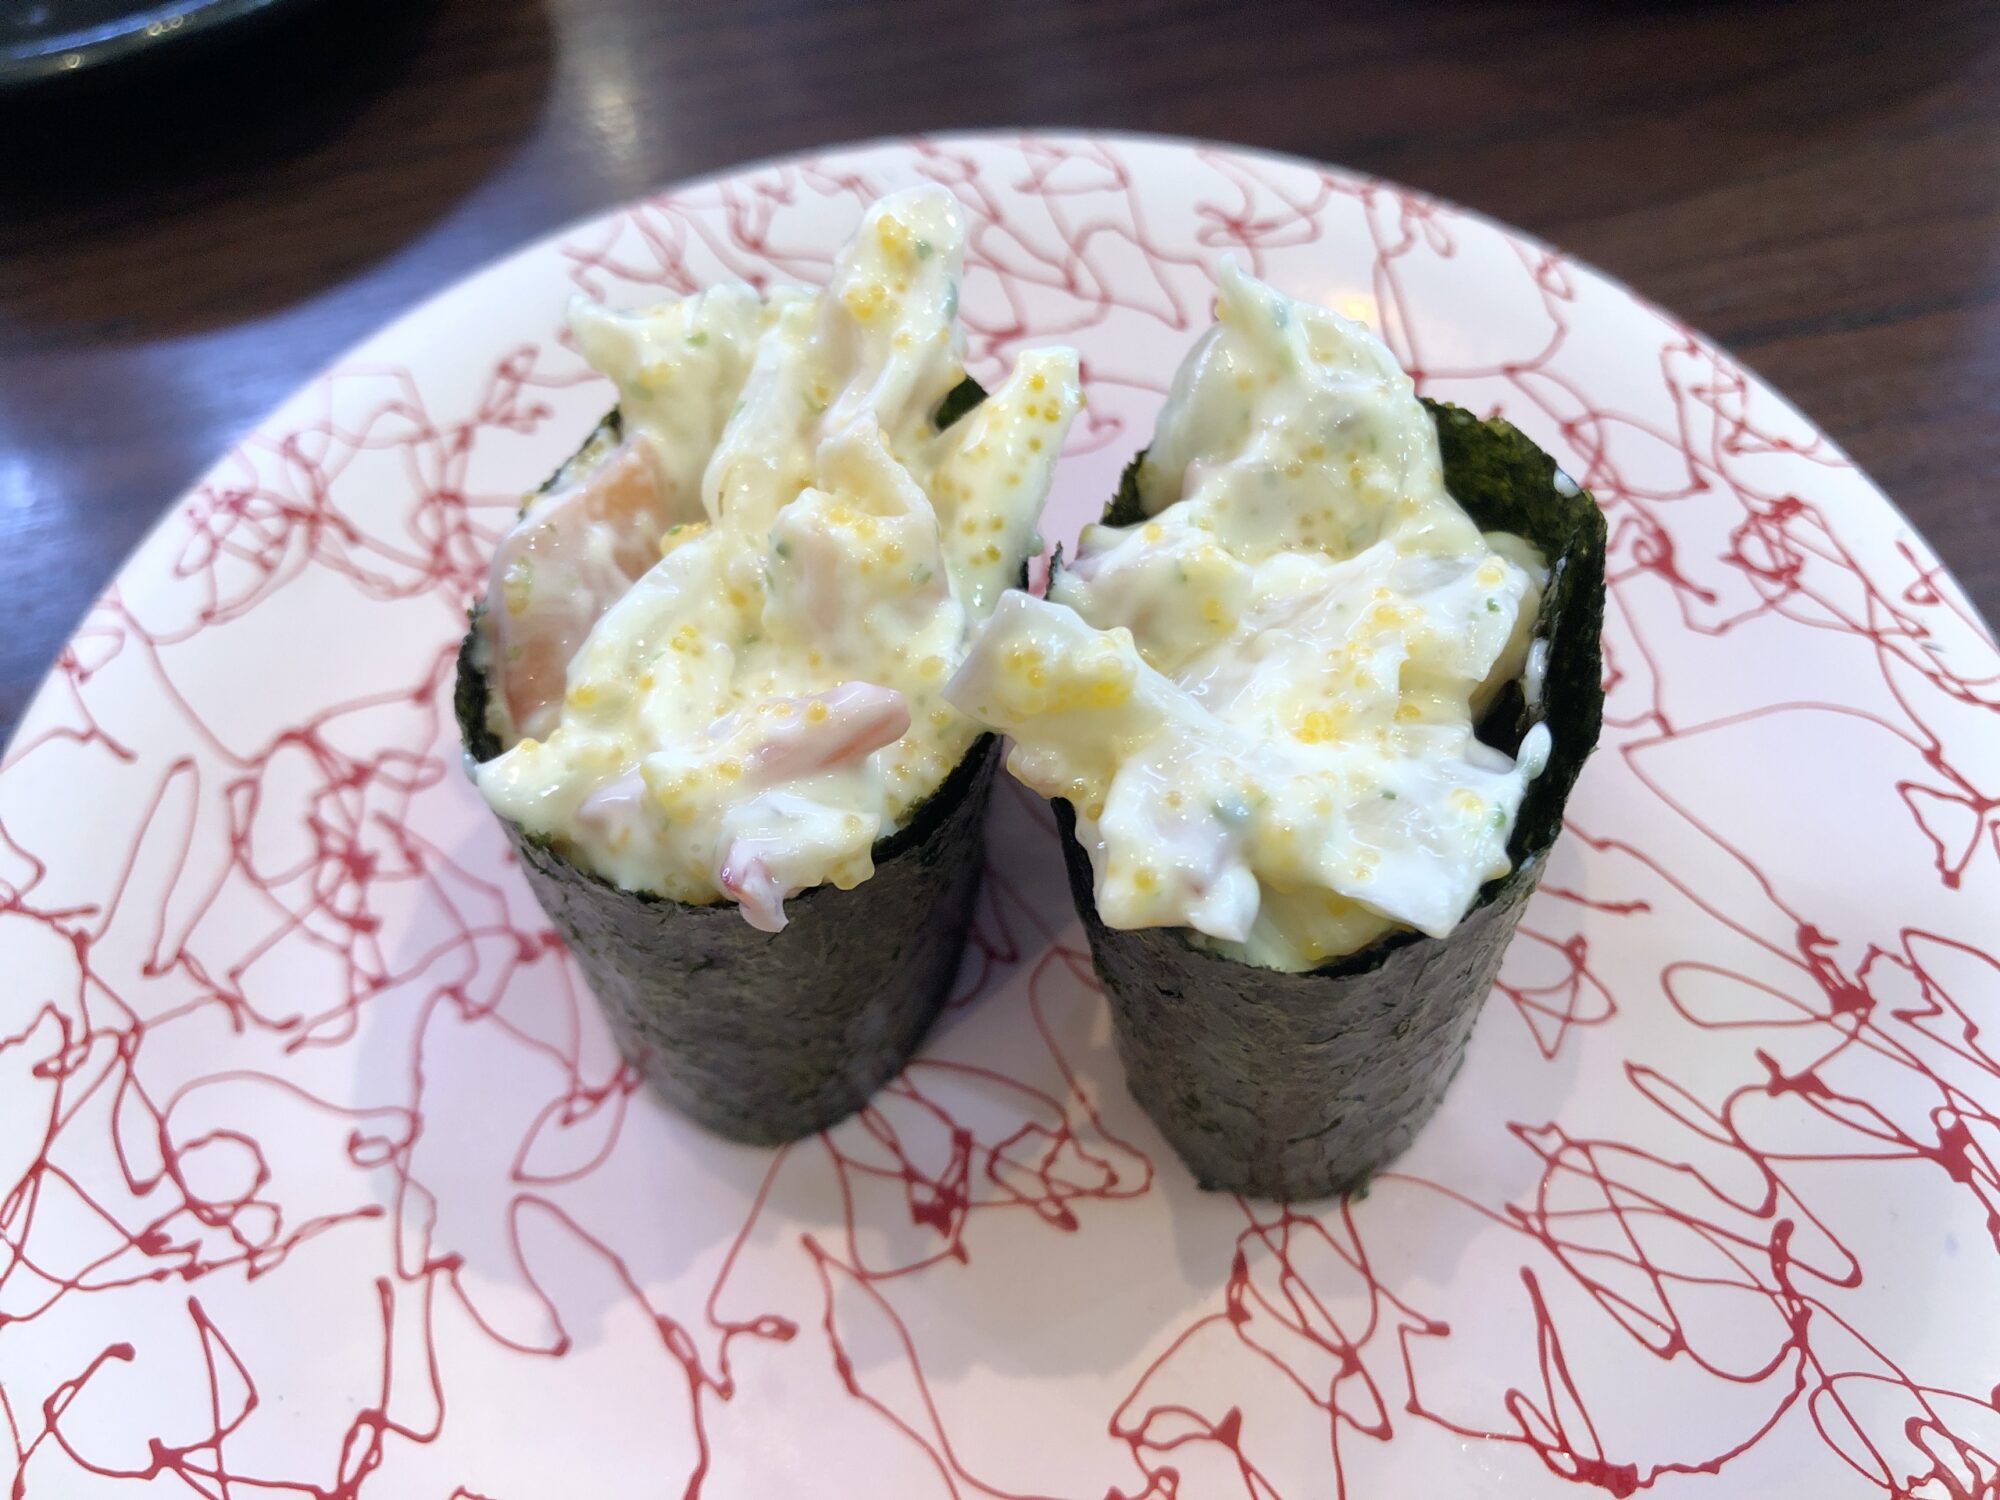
(1260, 702)
(720, 642)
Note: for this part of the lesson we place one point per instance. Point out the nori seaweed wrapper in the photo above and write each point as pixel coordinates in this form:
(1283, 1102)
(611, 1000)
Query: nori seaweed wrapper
(766, 1037)
(1303, 1084)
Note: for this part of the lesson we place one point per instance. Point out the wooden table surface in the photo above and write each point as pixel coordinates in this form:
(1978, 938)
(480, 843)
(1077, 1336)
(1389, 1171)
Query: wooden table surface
(1817, 185)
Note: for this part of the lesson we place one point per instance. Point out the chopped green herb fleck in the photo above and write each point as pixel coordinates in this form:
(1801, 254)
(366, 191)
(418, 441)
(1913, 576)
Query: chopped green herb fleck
(1387, 795)
(1232, 810)
(1499, 817)
(782, 547)
(1493, 606)
(923, 249)
(698, 337)
(922, 574)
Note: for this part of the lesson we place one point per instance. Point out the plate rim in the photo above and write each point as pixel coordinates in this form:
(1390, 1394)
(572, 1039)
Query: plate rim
(20, 70)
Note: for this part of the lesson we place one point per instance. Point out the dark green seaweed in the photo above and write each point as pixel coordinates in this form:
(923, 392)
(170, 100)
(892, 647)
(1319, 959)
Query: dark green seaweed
(1300, 1085)
(766, 1037)
(959, 400)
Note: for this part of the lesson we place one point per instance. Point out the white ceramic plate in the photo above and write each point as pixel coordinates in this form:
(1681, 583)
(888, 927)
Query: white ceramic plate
(321, 1178)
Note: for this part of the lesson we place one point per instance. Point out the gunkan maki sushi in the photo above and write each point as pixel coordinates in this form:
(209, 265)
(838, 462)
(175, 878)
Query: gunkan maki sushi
(704, 687)
(1311, 700)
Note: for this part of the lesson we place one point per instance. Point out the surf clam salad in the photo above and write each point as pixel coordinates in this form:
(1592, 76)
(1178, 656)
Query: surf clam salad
(717, 643)
(1261, 697)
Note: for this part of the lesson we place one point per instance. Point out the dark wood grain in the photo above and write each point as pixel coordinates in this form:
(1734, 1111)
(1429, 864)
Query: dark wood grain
(1815, 184)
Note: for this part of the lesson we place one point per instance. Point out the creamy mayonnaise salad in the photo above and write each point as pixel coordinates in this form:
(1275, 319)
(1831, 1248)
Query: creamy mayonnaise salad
(719, 642)
(1260, 702)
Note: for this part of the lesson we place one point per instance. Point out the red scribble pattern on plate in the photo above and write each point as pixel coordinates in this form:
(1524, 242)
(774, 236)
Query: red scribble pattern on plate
(312, 1149)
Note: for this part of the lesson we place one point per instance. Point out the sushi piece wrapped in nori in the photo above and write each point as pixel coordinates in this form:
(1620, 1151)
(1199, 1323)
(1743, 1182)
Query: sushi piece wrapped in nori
(1309, 704)
(703, 690)
(1302, 1084)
